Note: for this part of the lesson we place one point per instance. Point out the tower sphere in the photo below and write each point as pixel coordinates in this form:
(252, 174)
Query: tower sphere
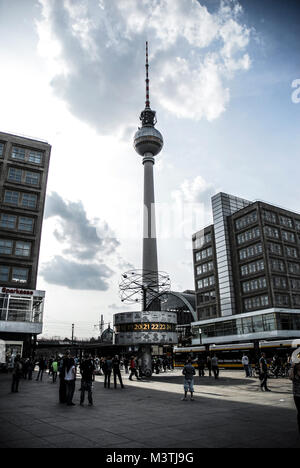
(148, 140)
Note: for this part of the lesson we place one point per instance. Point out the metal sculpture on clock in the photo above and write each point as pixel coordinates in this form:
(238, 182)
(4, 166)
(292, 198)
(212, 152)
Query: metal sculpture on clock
(142, 286)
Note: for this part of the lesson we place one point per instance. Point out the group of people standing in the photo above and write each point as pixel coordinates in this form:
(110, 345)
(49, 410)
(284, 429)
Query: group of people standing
(212, 364)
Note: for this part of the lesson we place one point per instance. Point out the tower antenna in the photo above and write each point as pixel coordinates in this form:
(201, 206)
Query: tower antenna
(147, 79)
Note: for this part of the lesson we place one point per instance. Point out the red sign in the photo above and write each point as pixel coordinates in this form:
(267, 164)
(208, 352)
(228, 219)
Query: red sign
(17, 291)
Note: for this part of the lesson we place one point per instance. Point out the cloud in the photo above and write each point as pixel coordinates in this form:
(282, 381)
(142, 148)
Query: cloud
(86, 239)
(64, 272)
(86, 245)
(95, 51)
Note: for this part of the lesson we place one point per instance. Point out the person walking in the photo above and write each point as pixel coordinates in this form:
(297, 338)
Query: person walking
(107, 367)
(209, 365)
(87, 370)
(126, 365)
(30, 368)
(263, 375)
(54, 370)
(188, 372)
(201, 366)
(116, 371)
(42, 366)
(215, 366)
(294, 375)
(245, 362)
(70, 379)
(133, 368)
(16, 374)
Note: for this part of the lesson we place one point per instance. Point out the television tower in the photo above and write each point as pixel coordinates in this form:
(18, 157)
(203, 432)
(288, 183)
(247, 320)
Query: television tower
(148, 143)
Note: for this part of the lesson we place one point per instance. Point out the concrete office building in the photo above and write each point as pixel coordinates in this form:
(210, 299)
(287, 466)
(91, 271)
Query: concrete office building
(247, 273)
(24, 165)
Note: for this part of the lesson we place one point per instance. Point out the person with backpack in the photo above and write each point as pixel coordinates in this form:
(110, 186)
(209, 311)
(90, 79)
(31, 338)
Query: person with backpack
(188, 372)
(16, 374)
(133, 368)
(87, 370)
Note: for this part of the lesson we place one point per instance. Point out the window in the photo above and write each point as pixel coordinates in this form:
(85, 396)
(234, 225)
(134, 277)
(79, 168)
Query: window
(285, 221)
(246, 220)
(248, 235)
(20, 275)
(252, 268)
(297, 224)
(291, 252)
(1, 149)
(25, 224)
(295, 283)
(18, 153)
(8, 221)
(4, 273)
(29, 200)
(251, 251)
(203, 254)
(254, 285)
(32, 178)
(35, 157)
(6, 247)
(200, 241)
(14, 175)
(274, 248)
(269, 216)
(282, 300)
(204, 268)
(294, 268)
(277, 265)
(256, 302)
(11, 197)
(288, 236)
(271, 232)
(206, 282)
(22, 249)
(280, 282)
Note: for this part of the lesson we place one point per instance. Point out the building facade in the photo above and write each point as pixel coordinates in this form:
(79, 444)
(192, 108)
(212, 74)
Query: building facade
(247, 273)
(24, 165)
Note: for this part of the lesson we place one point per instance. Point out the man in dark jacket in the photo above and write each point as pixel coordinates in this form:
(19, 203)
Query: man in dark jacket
(116, 371)
(188, 372)
(87, 370)
(107, 367)
(17, 374)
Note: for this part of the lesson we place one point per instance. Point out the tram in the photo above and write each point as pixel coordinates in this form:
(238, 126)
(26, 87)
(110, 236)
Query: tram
(230, 355)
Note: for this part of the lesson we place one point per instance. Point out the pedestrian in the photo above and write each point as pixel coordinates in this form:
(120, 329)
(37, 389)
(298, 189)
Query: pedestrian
(25, 365)
(263, 373)
(70, 379)
(133, 368)
(16, 374)
(209, 365)
(215, 366)
(54, 370)
(188, 372)
(87, 370)
(126, 365)
(201, 366)
(107, 367)
(62, 382)
(116, 371)
(30, 368)
(294, 375)
(245, 362)
(42, 366)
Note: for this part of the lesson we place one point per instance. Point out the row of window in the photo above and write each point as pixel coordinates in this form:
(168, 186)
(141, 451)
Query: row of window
(14, 274)
(277, 250)
(250, 251)
(245, 221)
(206, 282)
(22, 154)
(252, 268)
(24, 200)
(203, 254)
(19, 223)
(207, 296)
(23, 177)
(204, 268)
(256, 302)
(17, 248)
(207, 312)
(254, 285)
(281, 282)
(202, 240)
(285, 235)
(286, 221)
(248, 235)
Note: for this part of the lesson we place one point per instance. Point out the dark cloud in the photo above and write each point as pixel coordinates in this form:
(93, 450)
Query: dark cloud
(86, 238)
(74, 275)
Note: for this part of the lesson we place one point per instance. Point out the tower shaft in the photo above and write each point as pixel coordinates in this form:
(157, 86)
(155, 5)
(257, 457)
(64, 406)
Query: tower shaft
(149, 237)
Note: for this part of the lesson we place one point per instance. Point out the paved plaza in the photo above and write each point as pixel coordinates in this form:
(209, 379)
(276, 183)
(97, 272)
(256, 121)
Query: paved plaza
(230, 412)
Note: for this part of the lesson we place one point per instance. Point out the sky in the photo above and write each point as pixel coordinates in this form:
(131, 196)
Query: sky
(225, 83)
